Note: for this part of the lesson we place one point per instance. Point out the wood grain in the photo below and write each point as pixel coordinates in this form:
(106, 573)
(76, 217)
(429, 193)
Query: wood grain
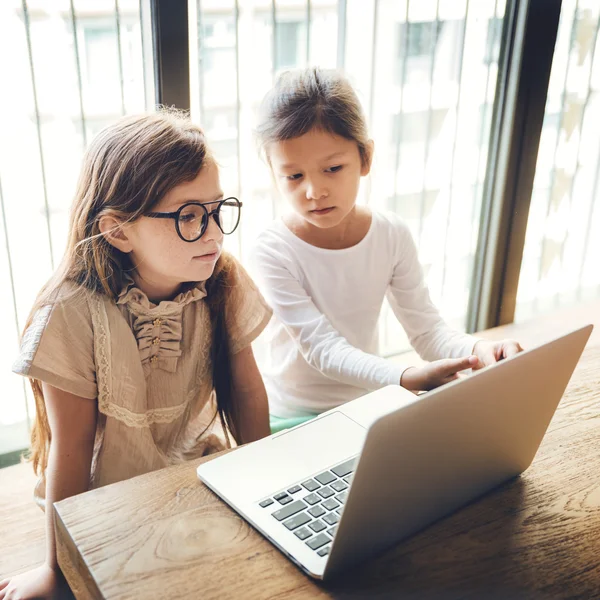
(22, 522)
(538, 537)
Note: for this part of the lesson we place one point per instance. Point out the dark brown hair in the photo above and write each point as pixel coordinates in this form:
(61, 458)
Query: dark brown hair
(312, 98)
(128, 167)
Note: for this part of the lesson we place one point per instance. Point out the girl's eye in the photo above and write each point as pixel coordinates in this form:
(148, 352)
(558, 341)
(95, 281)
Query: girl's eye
(334, 169)
(293, 177)
(187, 217)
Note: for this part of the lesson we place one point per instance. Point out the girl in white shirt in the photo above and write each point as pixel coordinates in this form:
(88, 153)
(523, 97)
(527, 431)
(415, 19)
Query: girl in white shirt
(326, 267)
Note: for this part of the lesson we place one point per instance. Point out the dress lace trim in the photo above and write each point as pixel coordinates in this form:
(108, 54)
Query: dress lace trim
(103, 361)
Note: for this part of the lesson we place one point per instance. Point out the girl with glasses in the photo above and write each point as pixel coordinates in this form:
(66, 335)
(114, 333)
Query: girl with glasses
(138, 348)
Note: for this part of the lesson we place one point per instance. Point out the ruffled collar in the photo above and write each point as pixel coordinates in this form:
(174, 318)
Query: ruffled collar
(158, 327)
(134, 297)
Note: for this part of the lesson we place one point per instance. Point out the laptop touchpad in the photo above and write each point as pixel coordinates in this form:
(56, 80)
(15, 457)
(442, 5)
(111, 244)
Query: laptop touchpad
(264, 467)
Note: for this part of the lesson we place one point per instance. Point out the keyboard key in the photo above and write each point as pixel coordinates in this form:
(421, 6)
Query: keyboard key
(280, 496)
(345, 468)
(330, 519)
(311, 485)
(286, 500)
(326, 492)
(297, 488)
(341, 497)
(289, 510)
(266, 503)
(298, 520)
(339, 512)
(348, 479)
(338, 486)
(330, 504)
(325, 478)
(318, 541)
(312, 499)
(303, 533)
(317, 526)
(331, 531)
(323, 551)
(317, 511)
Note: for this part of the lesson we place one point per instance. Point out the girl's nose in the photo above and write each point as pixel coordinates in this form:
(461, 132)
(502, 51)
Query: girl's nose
(315, 190)
(213, 232)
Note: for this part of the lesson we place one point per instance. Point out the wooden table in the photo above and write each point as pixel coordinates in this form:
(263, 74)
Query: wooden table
(165, 535)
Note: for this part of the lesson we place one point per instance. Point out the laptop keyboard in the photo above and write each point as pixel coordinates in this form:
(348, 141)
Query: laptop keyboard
(311, 509)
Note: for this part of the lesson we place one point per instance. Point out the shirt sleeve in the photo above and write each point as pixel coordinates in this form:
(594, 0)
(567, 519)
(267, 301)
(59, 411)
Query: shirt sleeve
(58, 347)
(319, 343)
(409, 298)
(247, 312)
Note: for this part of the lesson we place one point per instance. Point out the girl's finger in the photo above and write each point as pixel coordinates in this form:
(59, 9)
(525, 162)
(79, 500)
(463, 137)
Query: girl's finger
(511, 348)
(460, 364)
(447, 379)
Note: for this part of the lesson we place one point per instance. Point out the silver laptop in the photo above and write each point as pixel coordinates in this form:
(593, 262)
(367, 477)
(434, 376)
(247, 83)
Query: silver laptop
(361, 477)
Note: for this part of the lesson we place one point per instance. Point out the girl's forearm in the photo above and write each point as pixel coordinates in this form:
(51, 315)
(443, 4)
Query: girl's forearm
(253, 415)
(72, 421)
(250, 397)
(68, 474)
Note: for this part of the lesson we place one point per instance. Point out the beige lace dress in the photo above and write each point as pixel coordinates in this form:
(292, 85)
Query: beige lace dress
(147, 366)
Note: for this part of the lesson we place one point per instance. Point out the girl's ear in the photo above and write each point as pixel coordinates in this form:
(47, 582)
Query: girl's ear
(368, 161)
(112, 230)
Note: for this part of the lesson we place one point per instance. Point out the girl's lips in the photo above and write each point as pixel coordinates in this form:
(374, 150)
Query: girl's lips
(207, 257)
(322, 211)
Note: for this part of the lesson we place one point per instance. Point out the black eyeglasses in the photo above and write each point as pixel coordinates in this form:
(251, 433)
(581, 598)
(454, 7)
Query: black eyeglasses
(191, 220)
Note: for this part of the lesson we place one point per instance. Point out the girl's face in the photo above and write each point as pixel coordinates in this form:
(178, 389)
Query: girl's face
(319, 174)
(162, 260)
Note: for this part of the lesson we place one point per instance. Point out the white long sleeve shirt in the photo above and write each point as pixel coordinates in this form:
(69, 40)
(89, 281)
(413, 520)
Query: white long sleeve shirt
(322, 342)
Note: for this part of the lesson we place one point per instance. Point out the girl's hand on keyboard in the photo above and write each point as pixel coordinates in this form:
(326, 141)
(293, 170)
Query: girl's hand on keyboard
(490, 352)
(434, 374)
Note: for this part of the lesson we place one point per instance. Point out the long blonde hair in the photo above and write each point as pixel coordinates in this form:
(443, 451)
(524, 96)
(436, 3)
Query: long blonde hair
(128, 167)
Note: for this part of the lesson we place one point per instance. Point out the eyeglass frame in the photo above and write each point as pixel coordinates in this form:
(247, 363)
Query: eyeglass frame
(213, 213)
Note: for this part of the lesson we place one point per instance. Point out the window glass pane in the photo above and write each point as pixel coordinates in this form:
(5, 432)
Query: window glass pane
(70, 73)
(560, 258)
(426, 74)
(288, 45)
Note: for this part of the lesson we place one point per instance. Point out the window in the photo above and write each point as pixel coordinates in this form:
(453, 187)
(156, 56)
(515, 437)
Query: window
(410, 206)
(412, 127)
(560, 257)
(216, 60)
(218, 30)
(287, 45)
(101, 55)
(422, 38)
(493, 41)
(416, 50)
(73, 97)
(220, 123)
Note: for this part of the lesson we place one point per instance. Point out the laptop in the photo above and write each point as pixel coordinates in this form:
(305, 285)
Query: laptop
(358, 479)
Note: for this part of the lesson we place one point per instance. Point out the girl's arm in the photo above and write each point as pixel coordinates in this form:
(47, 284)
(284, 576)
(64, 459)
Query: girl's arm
(72, 422)
(250, 396)
(324, 348)
(320, 344)
(428, 333)
(409, 298)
